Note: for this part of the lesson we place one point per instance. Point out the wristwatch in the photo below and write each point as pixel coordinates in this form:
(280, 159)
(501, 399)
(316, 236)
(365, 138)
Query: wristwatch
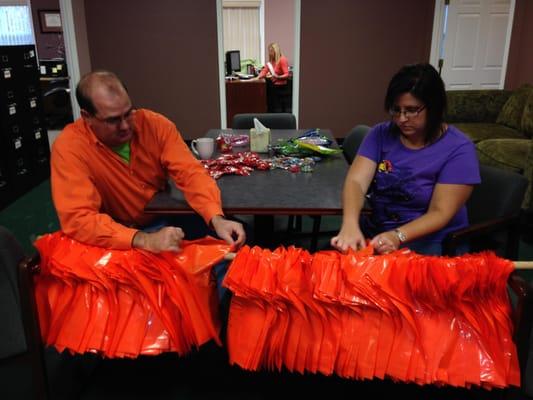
(401, 236)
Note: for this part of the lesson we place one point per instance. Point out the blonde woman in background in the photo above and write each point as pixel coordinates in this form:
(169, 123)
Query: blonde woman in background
(276, 72)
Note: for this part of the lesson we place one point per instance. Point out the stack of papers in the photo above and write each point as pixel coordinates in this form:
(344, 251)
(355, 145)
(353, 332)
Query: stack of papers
(244, 76)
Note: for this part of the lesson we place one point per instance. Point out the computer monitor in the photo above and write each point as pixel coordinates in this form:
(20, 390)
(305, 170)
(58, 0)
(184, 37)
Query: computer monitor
(233, 61)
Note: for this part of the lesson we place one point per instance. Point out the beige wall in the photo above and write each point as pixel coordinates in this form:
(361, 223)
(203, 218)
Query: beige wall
(520, 63)
(349, 52)
(49, 45)
(82, 45)
(279, 26)
(166, 53)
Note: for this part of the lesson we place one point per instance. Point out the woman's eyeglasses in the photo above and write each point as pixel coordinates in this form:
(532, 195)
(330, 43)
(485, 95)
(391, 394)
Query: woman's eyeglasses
(409, 112)
(115, 121)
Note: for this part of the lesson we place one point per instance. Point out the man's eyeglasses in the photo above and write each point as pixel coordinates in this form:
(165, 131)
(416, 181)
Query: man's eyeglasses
(115, 121)
(409, 112)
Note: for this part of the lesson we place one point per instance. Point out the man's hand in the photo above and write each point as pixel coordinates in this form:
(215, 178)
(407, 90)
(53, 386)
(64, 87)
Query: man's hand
(230, 231)
(165, 239)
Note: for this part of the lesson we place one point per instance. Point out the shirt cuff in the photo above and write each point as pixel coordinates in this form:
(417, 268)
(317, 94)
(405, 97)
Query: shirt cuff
(124, 238)
(210, 212)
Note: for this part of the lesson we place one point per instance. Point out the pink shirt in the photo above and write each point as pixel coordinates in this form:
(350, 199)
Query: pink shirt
(281, 69)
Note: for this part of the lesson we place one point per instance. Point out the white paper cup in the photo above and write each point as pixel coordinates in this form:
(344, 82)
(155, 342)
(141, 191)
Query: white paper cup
(203, 147)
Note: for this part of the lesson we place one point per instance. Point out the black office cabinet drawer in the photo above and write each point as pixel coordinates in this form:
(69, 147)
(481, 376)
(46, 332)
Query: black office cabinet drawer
(6, 191)
(24, 148)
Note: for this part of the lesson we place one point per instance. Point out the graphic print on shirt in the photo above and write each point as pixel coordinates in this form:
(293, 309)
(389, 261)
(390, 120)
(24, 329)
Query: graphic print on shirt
(391, 186)
(393, 183)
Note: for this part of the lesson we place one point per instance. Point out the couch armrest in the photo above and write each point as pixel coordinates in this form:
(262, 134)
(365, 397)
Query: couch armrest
(475, 105)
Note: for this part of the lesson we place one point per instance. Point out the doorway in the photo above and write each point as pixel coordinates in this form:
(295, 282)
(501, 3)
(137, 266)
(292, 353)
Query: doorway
(291, 48)
(470, 43)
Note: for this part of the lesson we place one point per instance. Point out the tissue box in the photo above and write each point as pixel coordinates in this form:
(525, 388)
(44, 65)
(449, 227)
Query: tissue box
(259, 140)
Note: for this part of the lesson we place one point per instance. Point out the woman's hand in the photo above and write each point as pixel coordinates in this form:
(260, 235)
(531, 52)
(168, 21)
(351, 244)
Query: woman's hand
(385, 242)
(348, 238)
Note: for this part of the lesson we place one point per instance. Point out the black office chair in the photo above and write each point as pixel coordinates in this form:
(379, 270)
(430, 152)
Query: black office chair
(56, 104)
(20, 344)
(353, 140)
(494, 214)
(27, 370)
(523, 335)
(270, 120)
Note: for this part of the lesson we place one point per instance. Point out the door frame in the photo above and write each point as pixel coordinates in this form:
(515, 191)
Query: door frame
(71, 53)
(437, 30)
(296, 63)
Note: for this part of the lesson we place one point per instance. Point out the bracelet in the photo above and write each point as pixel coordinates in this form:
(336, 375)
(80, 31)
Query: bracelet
(401, 236)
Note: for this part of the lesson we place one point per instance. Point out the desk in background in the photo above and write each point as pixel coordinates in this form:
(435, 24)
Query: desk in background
(245, 96)
(264, 194)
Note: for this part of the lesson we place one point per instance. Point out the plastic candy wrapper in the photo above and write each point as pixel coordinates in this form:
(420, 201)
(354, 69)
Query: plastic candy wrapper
(313, 136)
(404, 316)
(289, 148)
(293, 164)
(242, 163)
(226, 141)
(126, 303)
(311, 143)
(323, 150)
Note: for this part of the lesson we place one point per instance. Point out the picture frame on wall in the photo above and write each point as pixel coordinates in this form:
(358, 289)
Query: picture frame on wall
(50, 21)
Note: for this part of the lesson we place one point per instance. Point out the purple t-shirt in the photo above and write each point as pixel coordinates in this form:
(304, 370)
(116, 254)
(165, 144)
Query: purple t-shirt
(405, 178)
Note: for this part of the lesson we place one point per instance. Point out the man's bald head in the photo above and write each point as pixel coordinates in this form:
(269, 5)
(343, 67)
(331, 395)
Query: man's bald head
(92, 82)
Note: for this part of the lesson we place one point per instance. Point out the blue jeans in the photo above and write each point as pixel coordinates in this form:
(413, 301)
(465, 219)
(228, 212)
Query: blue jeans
(433, 248)
(427, 248)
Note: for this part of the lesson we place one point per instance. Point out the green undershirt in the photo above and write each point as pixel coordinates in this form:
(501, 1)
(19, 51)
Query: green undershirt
(123, 151)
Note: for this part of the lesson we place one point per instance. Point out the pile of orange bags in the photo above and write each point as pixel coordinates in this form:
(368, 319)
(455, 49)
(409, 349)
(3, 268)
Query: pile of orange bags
(411, 318)
(123, 303)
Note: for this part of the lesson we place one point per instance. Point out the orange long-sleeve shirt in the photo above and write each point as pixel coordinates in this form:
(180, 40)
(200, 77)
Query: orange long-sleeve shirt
(100, 199)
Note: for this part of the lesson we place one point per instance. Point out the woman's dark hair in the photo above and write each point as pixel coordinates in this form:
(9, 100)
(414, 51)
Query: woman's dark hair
(424, 83)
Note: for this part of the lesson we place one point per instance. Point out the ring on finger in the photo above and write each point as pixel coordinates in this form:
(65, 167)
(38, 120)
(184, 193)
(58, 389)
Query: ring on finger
(380, 242)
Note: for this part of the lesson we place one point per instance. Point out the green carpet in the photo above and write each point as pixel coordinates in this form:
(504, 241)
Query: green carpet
(30, 216)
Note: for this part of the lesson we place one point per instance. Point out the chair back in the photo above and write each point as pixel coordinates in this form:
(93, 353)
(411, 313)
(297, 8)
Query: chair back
(20, 340)
(12, 333)
(353, 140)
(270, 120)
(500, 194)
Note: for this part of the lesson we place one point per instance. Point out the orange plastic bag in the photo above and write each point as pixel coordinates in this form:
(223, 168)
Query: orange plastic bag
(413, 318)
(126, 303)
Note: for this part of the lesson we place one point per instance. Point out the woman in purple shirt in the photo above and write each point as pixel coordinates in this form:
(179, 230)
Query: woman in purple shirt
(416, 171)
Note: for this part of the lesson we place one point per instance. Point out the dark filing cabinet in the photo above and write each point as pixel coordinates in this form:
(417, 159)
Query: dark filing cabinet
(24, 148)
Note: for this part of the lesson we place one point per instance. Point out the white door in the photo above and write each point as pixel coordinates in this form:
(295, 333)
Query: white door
(476, 37)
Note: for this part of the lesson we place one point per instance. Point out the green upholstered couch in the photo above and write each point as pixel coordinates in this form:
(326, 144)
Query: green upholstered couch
(500, 123)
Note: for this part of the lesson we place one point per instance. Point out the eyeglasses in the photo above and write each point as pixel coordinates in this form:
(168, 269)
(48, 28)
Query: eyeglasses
(409, 112)
(115, 121)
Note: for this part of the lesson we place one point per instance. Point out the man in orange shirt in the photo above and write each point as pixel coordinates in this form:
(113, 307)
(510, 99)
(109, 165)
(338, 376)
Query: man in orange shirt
(108, 164)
